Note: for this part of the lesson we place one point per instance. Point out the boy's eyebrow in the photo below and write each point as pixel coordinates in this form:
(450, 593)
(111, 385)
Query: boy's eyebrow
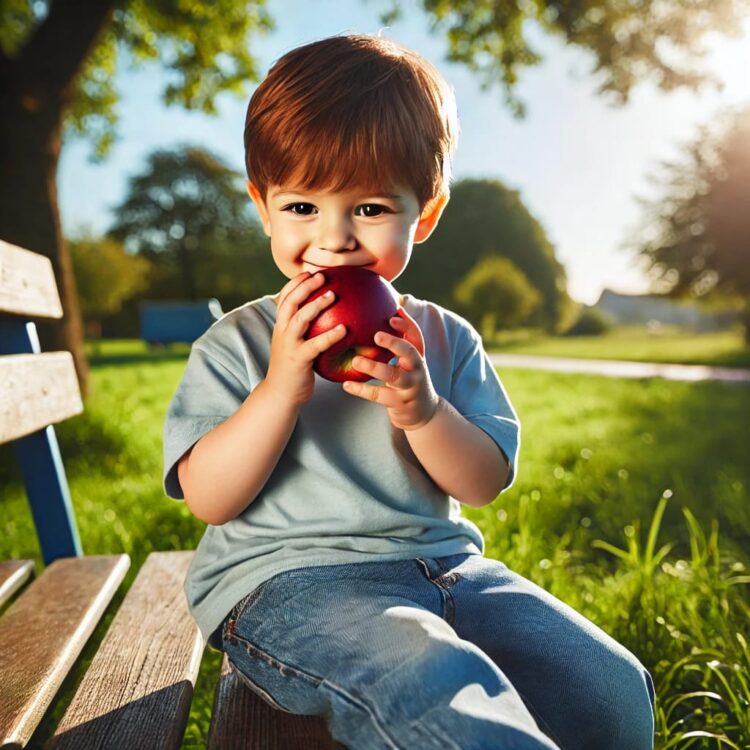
(280, 193)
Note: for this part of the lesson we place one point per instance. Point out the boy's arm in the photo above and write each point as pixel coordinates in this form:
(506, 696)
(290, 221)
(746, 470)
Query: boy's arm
(227, 468)
(462, 459)
(230, 465)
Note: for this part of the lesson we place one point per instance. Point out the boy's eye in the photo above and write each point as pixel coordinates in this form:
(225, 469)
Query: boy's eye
(371, 209)
(301, 209)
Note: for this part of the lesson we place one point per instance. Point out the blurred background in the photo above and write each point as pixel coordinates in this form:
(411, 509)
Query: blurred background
(600, 209)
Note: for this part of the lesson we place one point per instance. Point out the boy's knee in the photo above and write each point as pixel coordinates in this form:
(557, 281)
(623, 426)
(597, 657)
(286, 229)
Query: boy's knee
(627, 721)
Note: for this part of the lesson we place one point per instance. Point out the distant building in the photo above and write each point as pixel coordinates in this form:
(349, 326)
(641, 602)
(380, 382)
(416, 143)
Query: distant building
(654, 309)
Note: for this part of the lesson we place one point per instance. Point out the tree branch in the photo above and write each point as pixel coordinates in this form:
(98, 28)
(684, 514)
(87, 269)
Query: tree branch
(53, 56)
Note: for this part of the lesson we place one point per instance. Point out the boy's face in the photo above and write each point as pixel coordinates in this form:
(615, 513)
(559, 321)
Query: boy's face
(310, 230)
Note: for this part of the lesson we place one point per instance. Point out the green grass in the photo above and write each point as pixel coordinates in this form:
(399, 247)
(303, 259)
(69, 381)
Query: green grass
(631, 505)
(671, 345)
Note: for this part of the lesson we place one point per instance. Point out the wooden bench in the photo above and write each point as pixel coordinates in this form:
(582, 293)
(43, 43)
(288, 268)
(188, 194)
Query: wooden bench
(137, 690)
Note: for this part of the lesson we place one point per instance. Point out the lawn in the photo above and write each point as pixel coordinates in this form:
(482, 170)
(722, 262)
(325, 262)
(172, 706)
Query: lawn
(601, 460)
(669, 345)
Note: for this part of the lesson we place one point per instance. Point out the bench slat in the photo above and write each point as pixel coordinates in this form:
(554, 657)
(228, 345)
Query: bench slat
(138, 689)
(27, 283)
(244, 721)
(13, 575)
(37, 390)
(43, 632)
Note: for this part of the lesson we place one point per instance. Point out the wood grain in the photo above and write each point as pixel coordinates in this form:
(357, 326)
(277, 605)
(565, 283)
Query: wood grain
(138, 689)
(27, 283)
(244, 721)
(43, 632)
(13, 575)
(36, 390)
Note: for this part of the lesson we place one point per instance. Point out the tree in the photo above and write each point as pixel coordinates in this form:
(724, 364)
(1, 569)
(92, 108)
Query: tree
(696, 236)
(484, 219)
(629, 41)
(188, 213)
(495, 294)
(106, 277)
(58, 60)
(57, 65)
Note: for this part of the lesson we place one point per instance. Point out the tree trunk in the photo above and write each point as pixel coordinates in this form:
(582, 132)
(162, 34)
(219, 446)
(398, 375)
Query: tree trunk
(29, 215)
(36, 87)
(745, 318)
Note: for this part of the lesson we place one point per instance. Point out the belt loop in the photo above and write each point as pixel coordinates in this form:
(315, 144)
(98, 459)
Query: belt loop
(424, 566)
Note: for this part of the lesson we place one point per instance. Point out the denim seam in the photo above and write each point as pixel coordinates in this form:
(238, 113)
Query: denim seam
(255, 688)
(539, 720)
(272, 661)
(251, 598)
(442, 738)
(317, 681)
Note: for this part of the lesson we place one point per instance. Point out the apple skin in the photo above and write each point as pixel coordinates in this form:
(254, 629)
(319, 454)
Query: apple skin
(364, 303)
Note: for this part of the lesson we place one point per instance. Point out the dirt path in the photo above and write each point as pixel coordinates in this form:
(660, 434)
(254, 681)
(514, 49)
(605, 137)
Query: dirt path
(622, 369)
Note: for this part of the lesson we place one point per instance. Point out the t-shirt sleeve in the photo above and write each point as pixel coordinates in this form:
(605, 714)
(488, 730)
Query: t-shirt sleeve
(208, 393)
(478, 394)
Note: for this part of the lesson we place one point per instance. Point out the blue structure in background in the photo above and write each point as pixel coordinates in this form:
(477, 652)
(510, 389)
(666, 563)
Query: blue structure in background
(170, 322)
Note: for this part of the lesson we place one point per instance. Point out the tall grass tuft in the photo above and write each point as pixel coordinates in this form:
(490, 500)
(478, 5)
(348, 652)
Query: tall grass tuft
(688, 616)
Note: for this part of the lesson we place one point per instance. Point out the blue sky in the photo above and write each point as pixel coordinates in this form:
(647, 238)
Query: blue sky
(577, 160)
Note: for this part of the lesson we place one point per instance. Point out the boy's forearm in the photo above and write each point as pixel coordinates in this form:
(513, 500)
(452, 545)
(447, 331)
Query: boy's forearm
(463, 460)
(230, 465)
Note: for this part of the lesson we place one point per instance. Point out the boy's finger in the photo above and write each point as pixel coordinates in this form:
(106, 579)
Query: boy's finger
(408, 355)
(412, 331)
(318, 344)
(309, 311)
(298, 293)
(290, 286)
(387, 373)
(376, 393)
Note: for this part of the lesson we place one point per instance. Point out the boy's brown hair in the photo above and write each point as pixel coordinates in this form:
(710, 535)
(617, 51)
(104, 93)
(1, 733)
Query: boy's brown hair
(352, 110)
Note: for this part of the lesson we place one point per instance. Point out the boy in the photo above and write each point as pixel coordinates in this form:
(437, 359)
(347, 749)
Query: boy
(336, 570)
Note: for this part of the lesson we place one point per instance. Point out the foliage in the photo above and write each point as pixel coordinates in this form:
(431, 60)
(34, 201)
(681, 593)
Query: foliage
(696, 236)
(590, 322)
(106, 276)
(629, 41)
(483, 219)
(495, 294)
(187, 213)
(205, 46)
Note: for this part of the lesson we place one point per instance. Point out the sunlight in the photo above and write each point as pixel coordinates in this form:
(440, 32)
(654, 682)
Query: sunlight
(729, 59)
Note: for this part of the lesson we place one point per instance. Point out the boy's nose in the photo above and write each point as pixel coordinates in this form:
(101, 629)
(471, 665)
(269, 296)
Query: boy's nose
(336, 236)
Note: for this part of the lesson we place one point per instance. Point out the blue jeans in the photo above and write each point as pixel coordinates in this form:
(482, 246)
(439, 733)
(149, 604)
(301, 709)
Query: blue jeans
(455, 652)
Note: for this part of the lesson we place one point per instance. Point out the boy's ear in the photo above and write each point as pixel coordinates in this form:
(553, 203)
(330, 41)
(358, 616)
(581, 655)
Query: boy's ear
(430, 216)
(260, 204)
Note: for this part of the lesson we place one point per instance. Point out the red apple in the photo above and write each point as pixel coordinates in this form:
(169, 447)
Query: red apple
(364, 303)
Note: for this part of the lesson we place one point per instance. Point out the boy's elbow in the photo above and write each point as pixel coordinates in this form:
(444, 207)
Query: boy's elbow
(205, 513)
(487, 492)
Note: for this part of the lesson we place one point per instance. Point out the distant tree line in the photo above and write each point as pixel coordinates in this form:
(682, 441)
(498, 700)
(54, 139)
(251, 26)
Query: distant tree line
(186, 230)
(58, 63)
(695, 235)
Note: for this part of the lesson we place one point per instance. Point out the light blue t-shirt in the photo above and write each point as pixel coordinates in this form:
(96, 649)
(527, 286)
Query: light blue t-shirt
(347, 488)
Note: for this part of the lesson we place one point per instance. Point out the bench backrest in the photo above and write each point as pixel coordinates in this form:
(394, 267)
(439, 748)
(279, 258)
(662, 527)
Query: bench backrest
(36, 391)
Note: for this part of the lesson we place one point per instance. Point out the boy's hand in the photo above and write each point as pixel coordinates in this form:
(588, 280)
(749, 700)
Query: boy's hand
(290, 371)
(407, 392)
